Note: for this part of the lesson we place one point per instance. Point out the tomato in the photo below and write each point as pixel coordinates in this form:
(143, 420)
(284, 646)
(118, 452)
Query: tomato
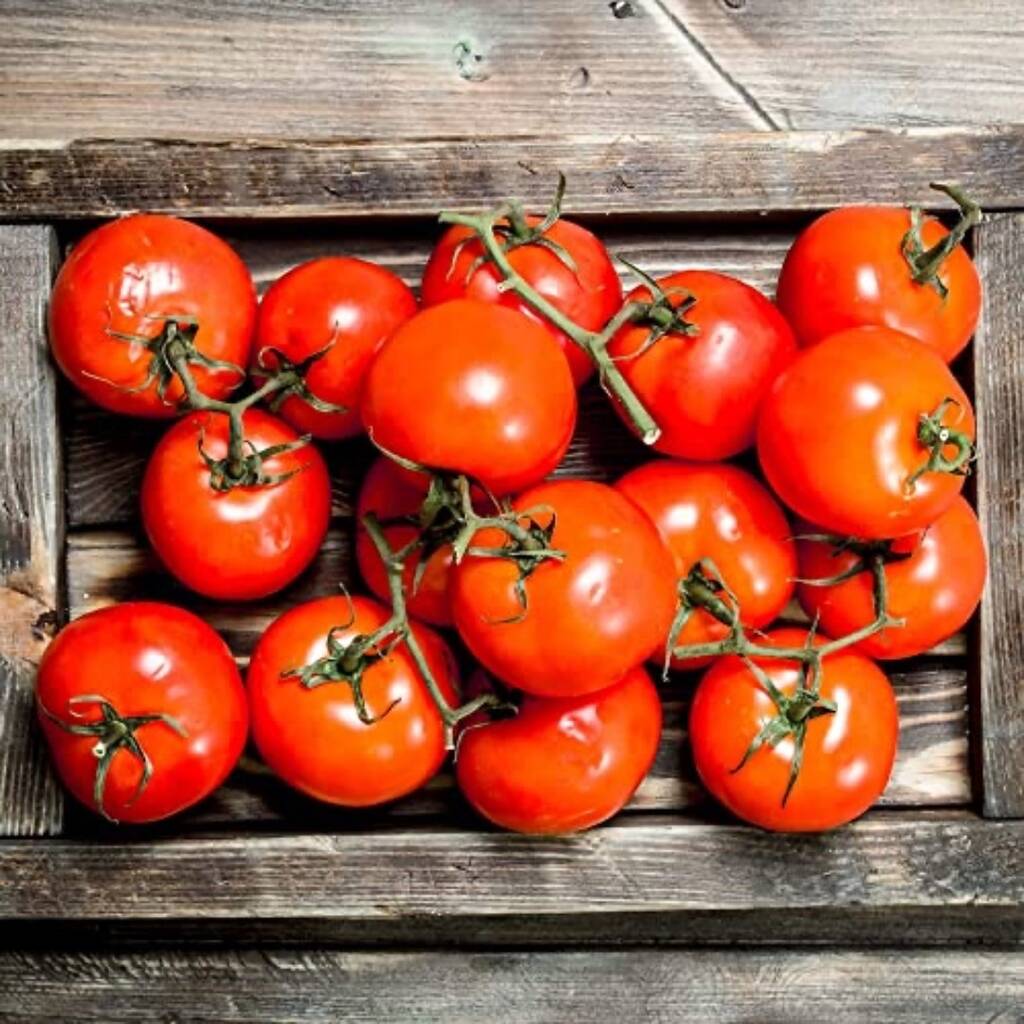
(142, 683)
(345, 308)
(839, 436)
(847, 758)
(473, 388)
(590, 295)
(313, 738)
(589, 617)
(719, 513)
(129, 277)
(563, 764)
(394, 494)
(934, 585)
(704, 390)
(848, 270)
(245, 542)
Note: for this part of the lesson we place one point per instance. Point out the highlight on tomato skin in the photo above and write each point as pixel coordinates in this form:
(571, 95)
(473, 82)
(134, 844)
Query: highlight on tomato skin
(934, 579)
(564, 764)
(848, 755)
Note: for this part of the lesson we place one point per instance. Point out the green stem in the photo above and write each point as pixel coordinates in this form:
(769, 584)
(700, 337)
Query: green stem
(927, 263)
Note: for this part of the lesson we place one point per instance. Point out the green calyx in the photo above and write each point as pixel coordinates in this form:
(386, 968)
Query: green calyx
(938, 438)
(248, 470)
(275, 365)
(926, 263)
(114, 732)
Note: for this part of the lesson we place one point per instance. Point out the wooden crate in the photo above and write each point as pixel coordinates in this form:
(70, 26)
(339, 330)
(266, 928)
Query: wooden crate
(941, 858)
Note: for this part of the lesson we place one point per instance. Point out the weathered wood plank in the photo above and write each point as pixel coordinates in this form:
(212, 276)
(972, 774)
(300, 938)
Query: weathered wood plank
(31, 526)
(651, 174)
(682, 986)
(310, 69)
(999, 405)
(895, 63)
(648, 865)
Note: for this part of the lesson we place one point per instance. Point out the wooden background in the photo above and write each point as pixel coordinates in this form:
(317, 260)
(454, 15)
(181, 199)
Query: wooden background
(431, 98)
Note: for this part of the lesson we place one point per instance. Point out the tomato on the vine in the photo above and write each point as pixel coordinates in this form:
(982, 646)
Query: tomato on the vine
(473, 388)
(579, 621)
(850, 268)
(563, 764)
(848, 753)
(226, 541)
(334, 312)
(143, 710)
(118, 289)
(718, 520)
(704, 388)
(314, 737)
(849, 433)
(934, 581)
(586, 288)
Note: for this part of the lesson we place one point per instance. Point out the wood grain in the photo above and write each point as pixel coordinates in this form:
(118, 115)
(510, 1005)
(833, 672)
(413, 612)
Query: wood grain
(999, 405)
(635, 172)
(681, 986)
(31, 526)
(894, 63)
(640, 865)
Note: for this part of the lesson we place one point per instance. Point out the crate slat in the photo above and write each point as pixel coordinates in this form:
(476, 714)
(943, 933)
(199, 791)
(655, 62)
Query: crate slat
(31, 526)
(999, 404)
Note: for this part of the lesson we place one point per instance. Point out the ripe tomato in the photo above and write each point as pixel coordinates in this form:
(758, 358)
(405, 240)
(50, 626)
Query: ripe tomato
(245, 542)
(563, 764)
(848, 269)
(934, 587)
(129, 277)
(393, 493)
(136, 688)
(476, 389)
(719, 513)
(348, 307)
(839, 434)
(704, 390)
(313, 738)
(848, 755)
(590, 617)
(589, 295)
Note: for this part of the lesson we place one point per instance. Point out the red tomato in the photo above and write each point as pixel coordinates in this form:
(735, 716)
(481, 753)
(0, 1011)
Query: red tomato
(245, 542)
(838, 437)
(590, 296)
(144, 683)
(848, 270)
(129, 277)
(591, 617)
(563, 764)
(720, 513)
(313, 737)
(704, 390)
(848, 755)
(935, 590)
(392, 494)
(476, 389)
(348, 307)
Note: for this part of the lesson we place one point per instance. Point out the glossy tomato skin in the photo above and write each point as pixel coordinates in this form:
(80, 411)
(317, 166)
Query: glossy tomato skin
(391, 492)
(847, 269)
(349, 304)
(127, 276)
(935, 590)
(848, 756)
(590, 296)
(838, 433)
(591, 617)
(249, 541)
(720, 513)
(144, 658)
(313, 739)
(473, 388)
(704, 391)
(563, 764)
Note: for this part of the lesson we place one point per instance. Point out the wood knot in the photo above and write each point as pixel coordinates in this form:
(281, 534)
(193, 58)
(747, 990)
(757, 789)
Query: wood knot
(469, 61)
(622, 9)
